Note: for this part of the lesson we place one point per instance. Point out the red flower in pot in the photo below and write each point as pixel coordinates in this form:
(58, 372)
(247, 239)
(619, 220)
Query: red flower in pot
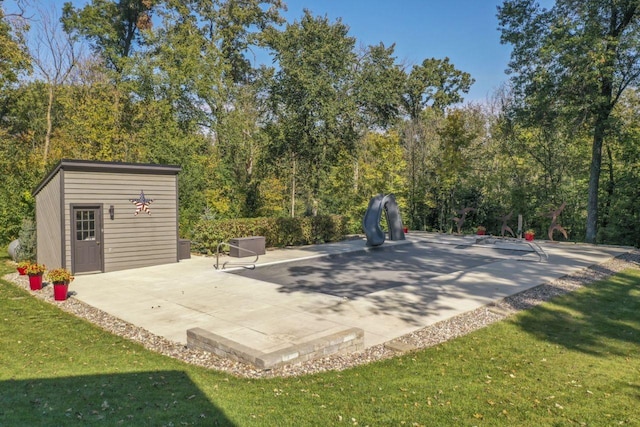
(60, 277)
(22, 267)
(35, 272)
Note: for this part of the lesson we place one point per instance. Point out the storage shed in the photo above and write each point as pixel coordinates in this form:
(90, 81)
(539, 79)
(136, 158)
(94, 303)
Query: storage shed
(106, 216)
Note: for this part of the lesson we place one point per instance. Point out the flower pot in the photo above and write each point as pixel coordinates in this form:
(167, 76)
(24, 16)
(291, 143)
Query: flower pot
(35, 282)
(480, 232)
(22, 271)
(405, 229)
(60, 290)
(528, 237)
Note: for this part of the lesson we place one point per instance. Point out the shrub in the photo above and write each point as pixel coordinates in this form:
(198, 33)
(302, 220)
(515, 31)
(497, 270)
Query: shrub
(278, 232)
(26, 250)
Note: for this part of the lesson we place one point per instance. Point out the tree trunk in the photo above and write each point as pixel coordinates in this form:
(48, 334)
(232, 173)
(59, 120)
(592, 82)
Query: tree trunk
(594, 179)
(356, 175)
(47, 137)
(293, 189)
(611, 185)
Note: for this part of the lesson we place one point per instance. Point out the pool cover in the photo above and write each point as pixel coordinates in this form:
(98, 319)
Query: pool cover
(363, 272)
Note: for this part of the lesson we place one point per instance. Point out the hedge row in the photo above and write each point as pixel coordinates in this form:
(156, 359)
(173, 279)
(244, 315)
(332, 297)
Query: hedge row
(278, 232)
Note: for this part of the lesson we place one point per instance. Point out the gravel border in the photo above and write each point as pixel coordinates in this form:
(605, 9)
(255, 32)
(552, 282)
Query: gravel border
(423, 338)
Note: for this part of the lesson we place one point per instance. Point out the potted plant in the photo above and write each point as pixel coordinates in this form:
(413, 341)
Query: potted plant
(529, 235)
(481, 231)
(60, 277)
(35, 272)
(22, 267)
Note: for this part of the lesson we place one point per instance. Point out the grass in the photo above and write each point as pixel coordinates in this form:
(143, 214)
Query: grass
(573, 361)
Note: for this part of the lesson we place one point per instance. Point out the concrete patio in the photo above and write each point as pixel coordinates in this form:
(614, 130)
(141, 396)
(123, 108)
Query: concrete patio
(269, 323)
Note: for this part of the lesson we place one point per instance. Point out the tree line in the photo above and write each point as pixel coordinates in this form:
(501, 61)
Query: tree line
(328, 124)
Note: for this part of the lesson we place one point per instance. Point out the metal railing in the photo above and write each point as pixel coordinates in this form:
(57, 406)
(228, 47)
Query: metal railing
(251, 265)
(542, 255)
(535, 247)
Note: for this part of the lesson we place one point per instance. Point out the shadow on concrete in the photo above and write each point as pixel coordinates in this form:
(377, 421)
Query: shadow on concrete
(142, 398)
(364, 272)
(369, 273)
(426, 297)
(601, 320)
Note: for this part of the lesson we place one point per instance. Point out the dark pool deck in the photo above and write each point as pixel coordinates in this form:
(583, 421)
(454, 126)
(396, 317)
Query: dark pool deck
(302, 303)
(363, 272)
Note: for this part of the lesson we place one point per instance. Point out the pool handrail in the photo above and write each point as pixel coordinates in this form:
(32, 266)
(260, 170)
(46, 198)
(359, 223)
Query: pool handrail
(250, 265)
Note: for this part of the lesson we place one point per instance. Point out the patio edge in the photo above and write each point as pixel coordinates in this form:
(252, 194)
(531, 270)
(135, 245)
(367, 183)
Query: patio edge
(343, 342)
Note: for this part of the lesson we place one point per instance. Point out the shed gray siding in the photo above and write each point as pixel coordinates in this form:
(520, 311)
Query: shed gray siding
(128, 241)
(49, 223)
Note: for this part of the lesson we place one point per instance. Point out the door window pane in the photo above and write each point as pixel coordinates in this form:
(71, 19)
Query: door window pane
(85, 225)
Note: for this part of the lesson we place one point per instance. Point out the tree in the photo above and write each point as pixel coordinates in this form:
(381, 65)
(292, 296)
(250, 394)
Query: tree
(98, 121)
(311, 100)
(116, 32)
(195, 63)
(435, 83)
(620, 216)
(378, 87)
(574, 61)
(240, 145)
(184, 67)
(235, 19)
(428, 89)
(17, 171)
(458, 136)
(14, 56)
(54, 56)
(114, 29)
(534, 166)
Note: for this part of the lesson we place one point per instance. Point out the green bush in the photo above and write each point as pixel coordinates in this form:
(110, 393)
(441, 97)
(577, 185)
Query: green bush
(278, 232)
(28, 243)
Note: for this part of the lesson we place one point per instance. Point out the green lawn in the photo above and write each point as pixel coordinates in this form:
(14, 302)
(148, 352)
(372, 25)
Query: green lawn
(574, 361)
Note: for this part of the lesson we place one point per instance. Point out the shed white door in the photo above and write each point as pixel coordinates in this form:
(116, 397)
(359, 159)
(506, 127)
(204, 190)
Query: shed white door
(87, 236)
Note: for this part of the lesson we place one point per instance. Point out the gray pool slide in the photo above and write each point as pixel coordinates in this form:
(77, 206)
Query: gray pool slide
(394, 221)
(371, 221)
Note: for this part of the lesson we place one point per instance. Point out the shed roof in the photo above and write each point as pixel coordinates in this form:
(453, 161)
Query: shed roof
(107, 167)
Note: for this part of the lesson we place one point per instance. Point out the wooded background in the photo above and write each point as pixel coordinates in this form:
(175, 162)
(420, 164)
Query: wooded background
(328, 124)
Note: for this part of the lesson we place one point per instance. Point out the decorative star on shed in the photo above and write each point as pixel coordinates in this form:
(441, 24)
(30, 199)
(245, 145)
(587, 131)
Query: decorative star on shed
(142, 204)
